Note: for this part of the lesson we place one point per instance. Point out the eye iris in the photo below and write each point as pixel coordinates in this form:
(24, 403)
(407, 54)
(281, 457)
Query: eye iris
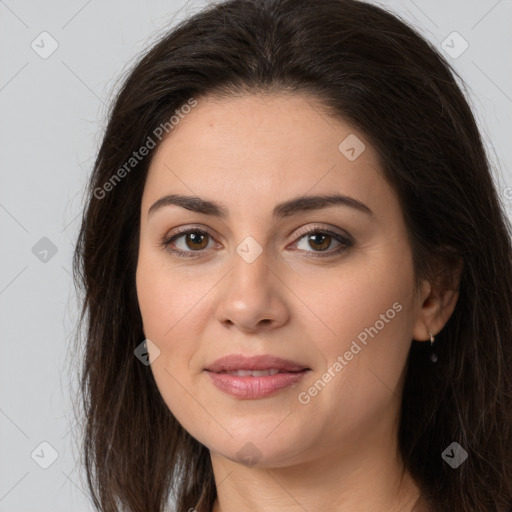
(314, 237)
(195, 238)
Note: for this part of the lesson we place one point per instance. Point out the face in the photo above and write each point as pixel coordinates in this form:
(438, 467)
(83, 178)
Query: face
(325, 284)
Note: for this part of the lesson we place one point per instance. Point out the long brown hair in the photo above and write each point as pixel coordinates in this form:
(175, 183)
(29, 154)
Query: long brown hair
(372, 70)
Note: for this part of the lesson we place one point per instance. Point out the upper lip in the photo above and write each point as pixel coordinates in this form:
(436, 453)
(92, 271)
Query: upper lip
(265, 362)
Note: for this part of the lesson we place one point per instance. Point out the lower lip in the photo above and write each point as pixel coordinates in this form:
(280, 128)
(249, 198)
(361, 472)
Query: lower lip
(255, 387)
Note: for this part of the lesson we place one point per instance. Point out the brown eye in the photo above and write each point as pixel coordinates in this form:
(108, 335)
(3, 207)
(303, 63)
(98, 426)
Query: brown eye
(196, 240)
(187, 242)
(317, 243)
(320, 241)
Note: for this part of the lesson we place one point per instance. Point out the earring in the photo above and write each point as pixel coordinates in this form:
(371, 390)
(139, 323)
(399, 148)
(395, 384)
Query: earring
(433, 355)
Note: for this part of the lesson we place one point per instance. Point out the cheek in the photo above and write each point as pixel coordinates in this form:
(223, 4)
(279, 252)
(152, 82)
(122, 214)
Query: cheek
(367, 312)
(165, 295)
(175, 310)
(358, 384)
(349, 299)
(166, 307)
(169, 308)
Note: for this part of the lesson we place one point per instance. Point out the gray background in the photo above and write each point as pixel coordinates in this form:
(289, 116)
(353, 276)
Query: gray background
(52, 116)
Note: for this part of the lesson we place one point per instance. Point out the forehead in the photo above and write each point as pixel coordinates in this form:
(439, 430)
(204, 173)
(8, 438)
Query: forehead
(259, 148)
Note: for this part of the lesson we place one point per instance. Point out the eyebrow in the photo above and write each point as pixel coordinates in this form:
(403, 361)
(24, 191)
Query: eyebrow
(286, 209)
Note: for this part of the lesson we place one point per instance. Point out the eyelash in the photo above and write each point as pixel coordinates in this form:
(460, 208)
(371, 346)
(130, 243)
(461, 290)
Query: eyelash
(345, 242)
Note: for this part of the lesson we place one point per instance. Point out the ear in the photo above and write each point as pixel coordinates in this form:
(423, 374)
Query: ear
(436, 302)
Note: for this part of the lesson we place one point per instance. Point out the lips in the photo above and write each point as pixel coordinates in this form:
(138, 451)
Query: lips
(250, 378)
(238, 364)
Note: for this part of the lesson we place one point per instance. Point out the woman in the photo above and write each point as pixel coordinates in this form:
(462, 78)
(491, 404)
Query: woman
(297, 274)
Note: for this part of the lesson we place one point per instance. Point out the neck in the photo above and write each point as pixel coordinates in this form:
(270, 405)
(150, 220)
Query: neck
(367, 476)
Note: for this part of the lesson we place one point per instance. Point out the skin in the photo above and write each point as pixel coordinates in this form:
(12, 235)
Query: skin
(339, 451)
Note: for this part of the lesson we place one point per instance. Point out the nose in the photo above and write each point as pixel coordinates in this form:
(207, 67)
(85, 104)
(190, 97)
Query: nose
(252, 296)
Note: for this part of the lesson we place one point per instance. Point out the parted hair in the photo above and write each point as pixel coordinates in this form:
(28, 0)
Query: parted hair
(374, 71)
